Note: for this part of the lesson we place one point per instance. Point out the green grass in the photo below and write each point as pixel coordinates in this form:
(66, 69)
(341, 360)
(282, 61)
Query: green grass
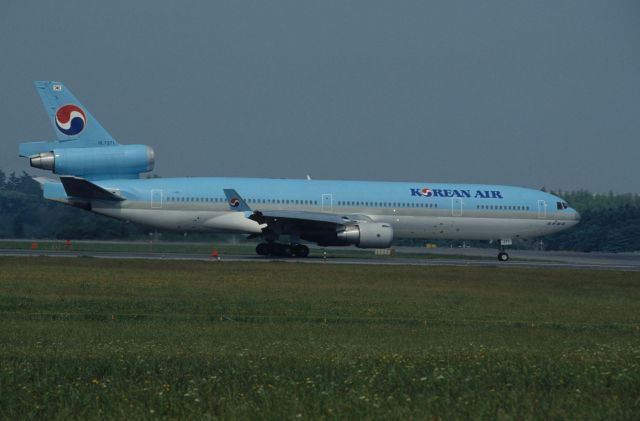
(93, 338)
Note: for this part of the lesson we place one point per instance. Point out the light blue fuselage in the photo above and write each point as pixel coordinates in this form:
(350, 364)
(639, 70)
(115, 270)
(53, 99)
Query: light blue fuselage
(452, 211)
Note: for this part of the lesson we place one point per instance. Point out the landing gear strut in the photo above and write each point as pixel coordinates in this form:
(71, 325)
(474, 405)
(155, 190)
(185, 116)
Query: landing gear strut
(503, 256)
(282, 250)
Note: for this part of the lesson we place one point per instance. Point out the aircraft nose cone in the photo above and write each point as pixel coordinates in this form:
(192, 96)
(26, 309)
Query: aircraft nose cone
(576, 215)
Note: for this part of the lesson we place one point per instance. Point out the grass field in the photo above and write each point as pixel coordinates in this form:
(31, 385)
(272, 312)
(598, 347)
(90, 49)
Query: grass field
(93, 338)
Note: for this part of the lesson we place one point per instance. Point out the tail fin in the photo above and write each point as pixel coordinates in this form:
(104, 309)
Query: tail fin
(71, 121)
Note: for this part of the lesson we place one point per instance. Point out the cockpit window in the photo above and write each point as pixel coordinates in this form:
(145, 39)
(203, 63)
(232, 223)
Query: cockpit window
(562, 205)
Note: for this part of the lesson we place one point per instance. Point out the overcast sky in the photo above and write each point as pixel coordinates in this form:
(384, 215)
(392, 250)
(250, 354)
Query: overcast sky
(531, 93)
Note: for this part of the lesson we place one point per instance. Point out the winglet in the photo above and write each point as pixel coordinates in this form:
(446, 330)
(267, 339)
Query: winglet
(235, 201)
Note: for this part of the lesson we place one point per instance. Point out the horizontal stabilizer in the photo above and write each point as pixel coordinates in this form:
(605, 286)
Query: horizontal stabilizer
(81, 188)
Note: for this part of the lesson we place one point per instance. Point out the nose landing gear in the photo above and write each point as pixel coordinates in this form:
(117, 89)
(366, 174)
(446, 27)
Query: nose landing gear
(503, 256)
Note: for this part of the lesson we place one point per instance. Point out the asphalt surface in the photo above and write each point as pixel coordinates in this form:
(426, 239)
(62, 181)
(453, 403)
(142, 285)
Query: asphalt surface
(433, 257)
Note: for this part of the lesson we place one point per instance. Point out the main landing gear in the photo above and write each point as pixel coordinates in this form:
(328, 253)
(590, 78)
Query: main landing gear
(503, 256)
(282, 250)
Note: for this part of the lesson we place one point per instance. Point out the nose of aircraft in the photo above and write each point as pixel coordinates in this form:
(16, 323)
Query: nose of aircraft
(576, 215)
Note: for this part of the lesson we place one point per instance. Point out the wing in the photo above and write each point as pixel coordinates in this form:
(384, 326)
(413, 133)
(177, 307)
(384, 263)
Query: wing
(326, 229)
(307, 218)
(318, 227)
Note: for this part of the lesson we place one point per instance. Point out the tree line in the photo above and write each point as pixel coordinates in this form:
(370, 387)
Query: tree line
(610, 222)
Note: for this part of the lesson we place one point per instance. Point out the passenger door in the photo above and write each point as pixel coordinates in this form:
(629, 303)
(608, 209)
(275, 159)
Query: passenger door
(327, 202)
(542, 209)
(456, 206)
(156, 199)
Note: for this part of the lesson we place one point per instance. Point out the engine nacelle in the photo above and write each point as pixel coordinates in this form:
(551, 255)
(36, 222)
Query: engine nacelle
(368, 235)
(113, 160)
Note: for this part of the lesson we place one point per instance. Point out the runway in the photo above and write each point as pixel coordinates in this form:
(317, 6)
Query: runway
(404, 256)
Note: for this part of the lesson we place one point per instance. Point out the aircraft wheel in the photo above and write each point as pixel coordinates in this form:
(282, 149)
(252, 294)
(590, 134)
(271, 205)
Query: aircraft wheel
(503, 256)
(262, 249)
(300, 250)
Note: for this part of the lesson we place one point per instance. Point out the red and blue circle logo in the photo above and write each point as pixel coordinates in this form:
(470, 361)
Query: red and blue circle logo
(70, 119)
(426, 192)
(234, 202)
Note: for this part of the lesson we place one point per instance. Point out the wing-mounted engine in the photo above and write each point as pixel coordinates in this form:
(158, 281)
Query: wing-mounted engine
(367, 235)
(114, 161)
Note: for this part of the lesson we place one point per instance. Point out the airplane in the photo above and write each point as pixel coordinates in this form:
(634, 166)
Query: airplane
(98, 174)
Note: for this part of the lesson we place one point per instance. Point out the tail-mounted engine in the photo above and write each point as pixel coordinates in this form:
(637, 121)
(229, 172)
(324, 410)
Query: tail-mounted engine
(113, 160)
